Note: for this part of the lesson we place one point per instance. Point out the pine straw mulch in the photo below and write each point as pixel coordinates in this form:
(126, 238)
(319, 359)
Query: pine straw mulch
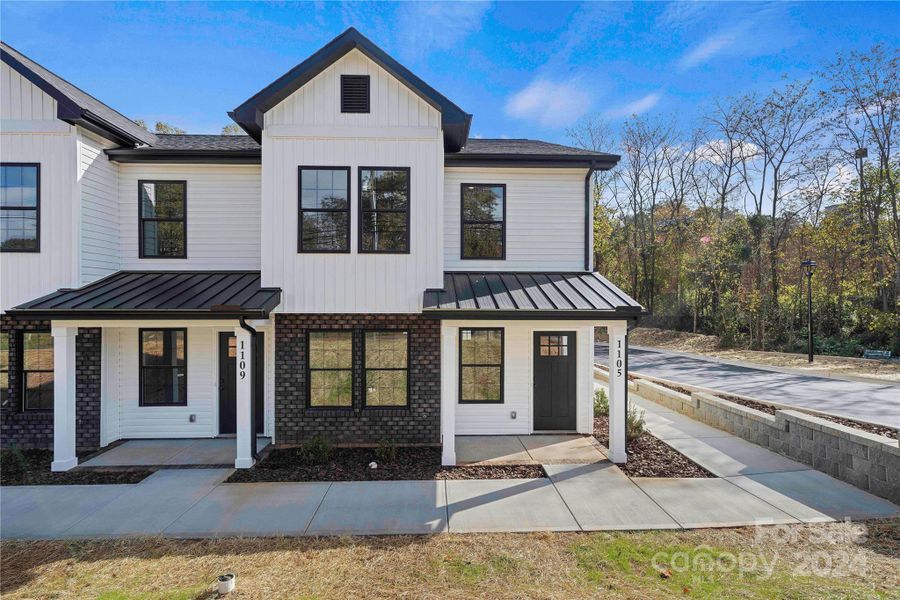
(649, 456)
(32, 467)
(352, 464)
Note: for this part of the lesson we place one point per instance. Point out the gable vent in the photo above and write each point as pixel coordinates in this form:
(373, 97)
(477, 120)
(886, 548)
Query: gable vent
(354, 93)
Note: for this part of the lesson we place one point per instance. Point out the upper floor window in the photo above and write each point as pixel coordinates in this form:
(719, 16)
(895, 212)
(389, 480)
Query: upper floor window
(384, 209)
(354, 93)
(483, 220)
(20, 207)
(163, 367)
(324, 219)
(163, 219)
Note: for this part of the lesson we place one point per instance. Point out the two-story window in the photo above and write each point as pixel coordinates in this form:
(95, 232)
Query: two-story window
(324, 209)
(384, 370)
(20, 207)
(162, 215)
(483, 223)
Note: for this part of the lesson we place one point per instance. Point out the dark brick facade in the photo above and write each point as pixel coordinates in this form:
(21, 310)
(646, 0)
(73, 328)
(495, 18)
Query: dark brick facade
(34, 429)
(419, 423)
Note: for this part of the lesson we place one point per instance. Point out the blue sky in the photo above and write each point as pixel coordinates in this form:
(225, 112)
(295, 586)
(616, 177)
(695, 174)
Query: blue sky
(523, 69)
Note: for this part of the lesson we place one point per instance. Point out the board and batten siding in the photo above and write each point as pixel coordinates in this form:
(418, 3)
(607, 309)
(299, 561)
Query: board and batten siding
(308, 129)
(223, 216)
(544, 218)
(30, 133)
(99, 208)
(496, 419)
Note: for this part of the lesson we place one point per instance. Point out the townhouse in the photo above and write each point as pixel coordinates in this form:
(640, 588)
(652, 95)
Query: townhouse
(355, 266)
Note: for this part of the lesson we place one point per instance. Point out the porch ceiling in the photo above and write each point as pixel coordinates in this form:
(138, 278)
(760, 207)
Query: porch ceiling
(160, 295)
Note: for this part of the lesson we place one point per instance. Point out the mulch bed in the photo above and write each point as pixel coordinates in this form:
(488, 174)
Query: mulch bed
(649, 456)
(32, 467)
(352, 464)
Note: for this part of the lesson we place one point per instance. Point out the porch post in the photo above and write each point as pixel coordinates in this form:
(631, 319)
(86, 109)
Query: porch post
(244, 399)
(64, 457)
(618, 376)
(448, 394)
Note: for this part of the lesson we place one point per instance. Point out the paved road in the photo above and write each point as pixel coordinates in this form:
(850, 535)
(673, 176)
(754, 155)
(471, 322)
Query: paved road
(867, 401)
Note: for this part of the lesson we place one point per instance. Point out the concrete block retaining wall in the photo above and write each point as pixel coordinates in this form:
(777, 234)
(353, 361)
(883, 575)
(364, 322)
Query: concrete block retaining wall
(868, 461)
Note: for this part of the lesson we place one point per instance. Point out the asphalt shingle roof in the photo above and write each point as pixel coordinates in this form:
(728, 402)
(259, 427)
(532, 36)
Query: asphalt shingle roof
(204, 142)
(524, 146)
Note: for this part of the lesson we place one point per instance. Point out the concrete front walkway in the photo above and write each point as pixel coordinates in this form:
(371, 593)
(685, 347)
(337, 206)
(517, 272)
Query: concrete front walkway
(171, 452)
(538, 449)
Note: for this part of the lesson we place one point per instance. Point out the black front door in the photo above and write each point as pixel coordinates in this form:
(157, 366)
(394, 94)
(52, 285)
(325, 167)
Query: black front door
(228, 383)
(554, 381)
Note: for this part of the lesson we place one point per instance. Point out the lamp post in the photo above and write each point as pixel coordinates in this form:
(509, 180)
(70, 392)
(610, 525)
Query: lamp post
(810, 266)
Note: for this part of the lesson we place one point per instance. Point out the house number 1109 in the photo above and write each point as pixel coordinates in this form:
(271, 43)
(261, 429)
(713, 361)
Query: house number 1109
(242, 365)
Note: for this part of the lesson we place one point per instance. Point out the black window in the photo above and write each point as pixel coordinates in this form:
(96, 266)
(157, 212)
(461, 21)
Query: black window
(4, 368)
(163, 221)
(20, 207)
(481, 365)
(354, 93)
(324, 219)
(484, 220)
(386, 364)
(163, 367)
(384, 209)
(330, 368)
(37, 371)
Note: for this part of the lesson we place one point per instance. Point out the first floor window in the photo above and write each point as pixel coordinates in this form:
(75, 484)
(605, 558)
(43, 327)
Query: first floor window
(4, 369)
(330, 369)
(386, 368)
(163, 220)
(20, 208)
(384, 210)
(481, 365)
(163, 367)
(37, 371)
(324, 209)
(483, 221)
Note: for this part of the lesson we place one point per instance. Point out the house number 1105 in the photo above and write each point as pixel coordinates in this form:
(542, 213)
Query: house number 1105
(619, 358)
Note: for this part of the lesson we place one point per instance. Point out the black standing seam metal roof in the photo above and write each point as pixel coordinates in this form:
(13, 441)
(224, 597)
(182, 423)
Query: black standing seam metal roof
(74, 105)
(160, 294)
(529, 295)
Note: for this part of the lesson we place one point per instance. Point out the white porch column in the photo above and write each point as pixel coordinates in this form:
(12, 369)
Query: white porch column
(617, 385)
(244, 399)
(449, 379)
(64, 457)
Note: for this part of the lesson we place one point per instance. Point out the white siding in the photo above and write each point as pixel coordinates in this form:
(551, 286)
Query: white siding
(495, 419)
(27, 275)
(544, 218)
(309, 129)
(21, 100)
(223, 216)
(99, 208)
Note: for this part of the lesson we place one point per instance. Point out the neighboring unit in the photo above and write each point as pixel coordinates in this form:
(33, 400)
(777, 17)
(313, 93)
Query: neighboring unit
(354, 267)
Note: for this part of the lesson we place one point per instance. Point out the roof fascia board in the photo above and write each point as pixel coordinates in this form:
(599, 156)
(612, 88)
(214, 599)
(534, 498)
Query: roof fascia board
(186, 157)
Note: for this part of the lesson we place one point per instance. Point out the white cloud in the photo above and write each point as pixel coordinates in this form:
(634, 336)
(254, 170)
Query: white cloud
(550, 103)
(707, 49)
(636, 107)
(426, 26)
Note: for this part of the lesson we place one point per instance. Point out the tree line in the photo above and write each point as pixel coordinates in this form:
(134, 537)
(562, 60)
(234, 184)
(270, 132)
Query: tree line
(707, 223)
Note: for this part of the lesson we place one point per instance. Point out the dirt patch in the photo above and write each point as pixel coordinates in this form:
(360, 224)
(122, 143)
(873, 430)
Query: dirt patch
(352, 464)
(32, 467)
(649, 456)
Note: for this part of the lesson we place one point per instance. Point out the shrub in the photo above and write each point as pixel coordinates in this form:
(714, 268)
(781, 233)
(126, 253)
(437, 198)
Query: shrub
(634, 423)
(316, 450)
(13, 464)
(386, 451)
(601, 403)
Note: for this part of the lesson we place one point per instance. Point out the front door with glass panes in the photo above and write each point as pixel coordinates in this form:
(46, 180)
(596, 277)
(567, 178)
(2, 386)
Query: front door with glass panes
(554, 381)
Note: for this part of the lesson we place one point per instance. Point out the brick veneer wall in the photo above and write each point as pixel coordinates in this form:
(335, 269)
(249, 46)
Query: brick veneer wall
(34, 429)
(418, 424)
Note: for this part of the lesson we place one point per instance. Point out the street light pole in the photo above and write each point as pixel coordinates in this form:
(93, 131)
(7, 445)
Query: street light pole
(810, 266)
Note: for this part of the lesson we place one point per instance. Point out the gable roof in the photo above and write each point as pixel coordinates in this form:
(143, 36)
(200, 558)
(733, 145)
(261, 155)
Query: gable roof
(74, 105)
(249, 115)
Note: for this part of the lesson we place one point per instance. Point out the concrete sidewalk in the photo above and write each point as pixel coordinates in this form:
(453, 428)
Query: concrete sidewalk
(753, 486)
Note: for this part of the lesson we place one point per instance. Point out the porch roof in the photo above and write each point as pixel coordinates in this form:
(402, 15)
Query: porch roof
(160, 295)
(531, 295)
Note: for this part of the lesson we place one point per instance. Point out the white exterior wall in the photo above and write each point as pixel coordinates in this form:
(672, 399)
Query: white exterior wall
(544, 218)
(30, 133)
(223, 216)
(98, 179)
(518, 342)
(308, 129)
